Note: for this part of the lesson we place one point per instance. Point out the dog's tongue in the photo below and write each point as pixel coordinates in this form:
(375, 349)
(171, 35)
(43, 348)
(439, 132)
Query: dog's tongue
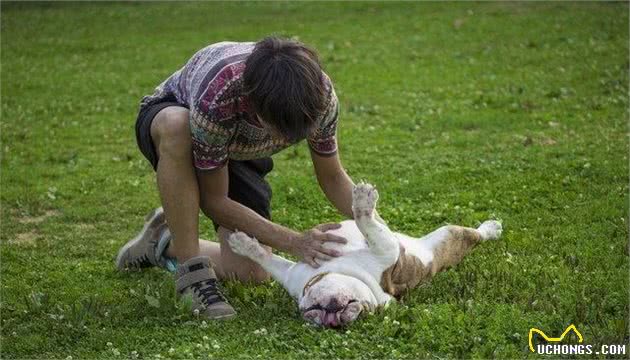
(330, 319)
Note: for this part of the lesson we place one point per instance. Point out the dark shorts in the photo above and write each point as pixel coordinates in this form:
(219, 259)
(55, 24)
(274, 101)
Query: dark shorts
(247, 184)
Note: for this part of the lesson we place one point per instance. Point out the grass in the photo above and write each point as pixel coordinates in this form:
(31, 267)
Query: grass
(457, 112)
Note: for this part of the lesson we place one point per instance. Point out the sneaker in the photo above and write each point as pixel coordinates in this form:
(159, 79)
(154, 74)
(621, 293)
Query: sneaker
(146, 249)
(196, 278)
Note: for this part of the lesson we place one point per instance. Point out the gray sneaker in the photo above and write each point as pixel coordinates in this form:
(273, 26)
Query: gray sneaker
(196, 278)
(146, 249)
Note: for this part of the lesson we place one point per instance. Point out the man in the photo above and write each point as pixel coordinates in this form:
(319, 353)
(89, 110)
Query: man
(209, 131)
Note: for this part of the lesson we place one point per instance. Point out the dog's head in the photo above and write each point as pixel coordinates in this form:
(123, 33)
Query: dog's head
(335, 300)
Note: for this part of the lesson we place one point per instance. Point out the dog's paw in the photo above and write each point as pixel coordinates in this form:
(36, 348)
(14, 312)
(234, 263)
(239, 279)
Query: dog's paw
(364, 198)
(244, 245)
(490, 230)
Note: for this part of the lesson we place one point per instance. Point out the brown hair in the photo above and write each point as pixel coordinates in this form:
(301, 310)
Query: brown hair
(284, 82)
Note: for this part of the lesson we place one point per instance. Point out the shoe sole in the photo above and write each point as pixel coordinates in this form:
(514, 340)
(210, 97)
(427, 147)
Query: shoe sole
(151, 220)
(222, 317)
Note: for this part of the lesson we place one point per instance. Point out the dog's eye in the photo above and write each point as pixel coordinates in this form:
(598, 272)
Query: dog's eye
(314, 307)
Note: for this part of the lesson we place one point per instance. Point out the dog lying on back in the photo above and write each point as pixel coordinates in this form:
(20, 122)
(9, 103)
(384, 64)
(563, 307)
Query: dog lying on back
(376, 264)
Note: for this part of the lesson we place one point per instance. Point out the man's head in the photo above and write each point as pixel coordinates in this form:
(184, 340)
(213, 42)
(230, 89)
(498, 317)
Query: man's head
(285, 84)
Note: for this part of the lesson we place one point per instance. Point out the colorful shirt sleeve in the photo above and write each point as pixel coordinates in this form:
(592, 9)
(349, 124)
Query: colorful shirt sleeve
(323, 140)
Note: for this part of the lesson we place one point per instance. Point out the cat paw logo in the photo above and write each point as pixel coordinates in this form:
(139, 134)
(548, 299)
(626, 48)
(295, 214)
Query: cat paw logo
(553, 339)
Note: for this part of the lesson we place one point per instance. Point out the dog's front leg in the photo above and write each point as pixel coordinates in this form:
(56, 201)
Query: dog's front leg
(380, 239)
(249, 247)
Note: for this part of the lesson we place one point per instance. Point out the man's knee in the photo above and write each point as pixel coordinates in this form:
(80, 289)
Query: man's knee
(170, 131)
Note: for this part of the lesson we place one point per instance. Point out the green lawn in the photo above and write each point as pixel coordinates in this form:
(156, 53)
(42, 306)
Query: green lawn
(458, 112)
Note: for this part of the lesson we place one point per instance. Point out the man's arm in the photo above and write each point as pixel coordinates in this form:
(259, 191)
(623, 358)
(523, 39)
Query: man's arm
(335, 183)
(214, 202)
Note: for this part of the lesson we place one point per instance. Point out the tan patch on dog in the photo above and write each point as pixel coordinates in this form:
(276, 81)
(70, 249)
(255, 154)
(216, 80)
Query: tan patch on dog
(453, 249)
(25, 238)
(409, 271)
(405, 274)
(38, 219)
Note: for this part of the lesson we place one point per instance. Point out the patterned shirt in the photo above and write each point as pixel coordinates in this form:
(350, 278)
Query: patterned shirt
(222, 121)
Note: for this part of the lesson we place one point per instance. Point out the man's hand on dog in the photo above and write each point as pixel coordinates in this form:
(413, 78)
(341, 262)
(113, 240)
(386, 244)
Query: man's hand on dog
(310, 244)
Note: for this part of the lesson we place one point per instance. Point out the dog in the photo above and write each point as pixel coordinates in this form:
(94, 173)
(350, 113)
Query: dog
(376, 265)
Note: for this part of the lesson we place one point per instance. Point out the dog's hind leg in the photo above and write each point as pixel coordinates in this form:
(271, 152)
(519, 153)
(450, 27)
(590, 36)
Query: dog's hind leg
(249, 247)
(449, 244)
(380, 239)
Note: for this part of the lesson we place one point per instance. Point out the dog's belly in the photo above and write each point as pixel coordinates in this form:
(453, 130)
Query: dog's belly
(421, 248)
(394, 278)
(349, 231)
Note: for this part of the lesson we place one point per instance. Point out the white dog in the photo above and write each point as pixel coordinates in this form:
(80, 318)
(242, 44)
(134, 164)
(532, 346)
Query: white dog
(376, 264)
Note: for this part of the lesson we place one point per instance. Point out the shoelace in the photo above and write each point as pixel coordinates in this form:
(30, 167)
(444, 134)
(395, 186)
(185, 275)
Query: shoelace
(143, 260)
(140, 262)
(209, 291)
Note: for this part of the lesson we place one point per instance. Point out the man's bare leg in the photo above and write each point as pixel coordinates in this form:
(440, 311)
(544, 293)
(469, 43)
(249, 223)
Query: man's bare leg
(179, 192)
(229, 265)
(177, 181)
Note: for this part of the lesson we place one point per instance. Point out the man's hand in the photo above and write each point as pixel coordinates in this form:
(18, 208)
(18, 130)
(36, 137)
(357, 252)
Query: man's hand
(310, 244)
